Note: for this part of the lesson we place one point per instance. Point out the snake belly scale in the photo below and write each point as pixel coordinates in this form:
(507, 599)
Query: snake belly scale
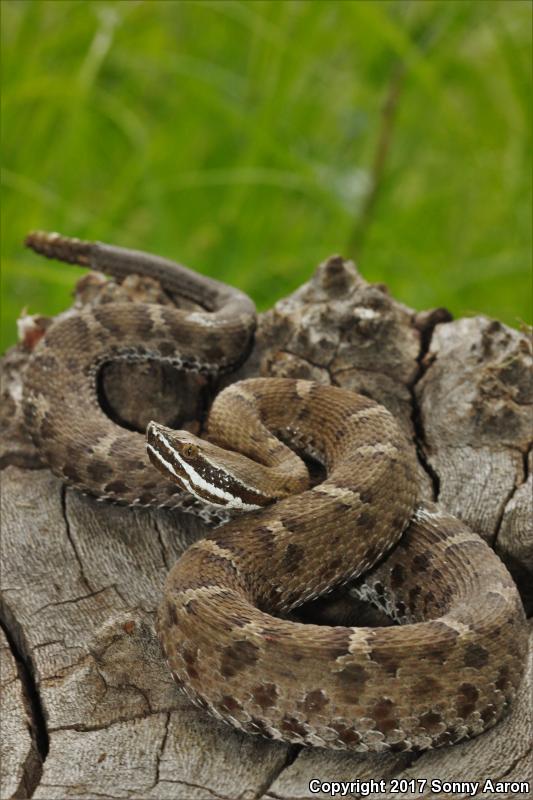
(452, 667)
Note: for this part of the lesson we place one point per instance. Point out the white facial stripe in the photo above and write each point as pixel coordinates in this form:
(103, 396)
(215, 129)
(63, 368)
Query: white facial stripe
(166, 463)
(234, 478)
(171, 469)
(196, 480)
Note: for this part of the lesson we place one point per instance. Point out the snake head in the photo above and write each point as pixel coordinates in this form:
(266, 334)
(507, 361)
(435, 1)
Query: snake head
(214, 475)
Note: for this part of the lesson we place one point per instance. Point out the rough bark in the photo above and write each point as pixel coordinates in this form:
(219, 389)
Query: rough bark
(89, 709)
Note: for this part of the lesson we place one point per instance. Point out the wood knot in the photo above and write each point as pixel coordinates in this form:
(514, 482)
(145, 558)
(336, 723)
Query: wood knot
(336, 275)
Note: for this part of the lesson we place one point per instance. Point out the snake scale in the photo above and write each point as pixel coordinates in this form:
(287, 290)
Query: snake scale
(227, 622)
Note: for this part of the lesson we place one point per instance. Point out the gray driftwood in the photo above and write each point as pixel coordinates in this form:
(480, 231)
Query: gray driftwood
(89, 709)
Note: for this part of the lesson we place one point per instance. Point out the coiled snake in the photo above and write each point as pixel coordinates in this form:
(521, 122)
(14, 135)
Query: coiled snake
(453, 666)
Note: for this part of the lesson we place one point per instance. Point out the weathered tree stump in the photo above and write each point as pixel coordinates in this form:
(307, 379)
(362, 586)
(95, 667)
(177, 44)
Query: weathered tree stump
(89, 708)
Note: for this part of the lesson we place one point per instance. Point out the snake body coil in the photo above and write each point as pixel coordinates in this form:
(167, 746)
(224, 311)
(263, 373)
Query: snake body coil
(62, 412)
(448, 671)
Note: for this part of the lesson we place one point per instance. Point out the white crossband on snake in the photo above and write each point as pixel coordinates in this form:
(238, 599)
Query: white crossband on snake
(451, 667)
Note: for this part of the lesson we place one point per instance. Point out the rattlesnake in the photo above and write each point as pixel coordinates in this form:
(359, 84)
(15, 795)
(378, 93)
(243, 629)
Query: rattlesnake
(227, 624)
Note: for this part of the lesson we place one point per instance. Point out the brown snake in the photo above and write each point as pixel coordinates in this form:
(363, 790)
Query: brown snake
(62, 412)
(450, 669)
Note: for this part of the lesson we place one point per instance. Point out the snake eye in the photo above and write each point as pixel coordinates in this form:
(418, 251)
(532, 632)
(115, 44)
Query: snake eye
(189, 450)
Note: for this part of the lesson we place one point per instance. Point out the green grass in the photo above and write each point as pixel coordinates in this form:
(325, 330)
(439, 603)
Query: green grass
(250, 140)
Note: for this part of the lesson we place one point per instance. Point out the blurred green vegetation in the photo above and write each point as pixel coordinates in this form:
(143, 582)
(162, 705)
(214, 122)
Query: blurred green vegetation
(250, 140)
